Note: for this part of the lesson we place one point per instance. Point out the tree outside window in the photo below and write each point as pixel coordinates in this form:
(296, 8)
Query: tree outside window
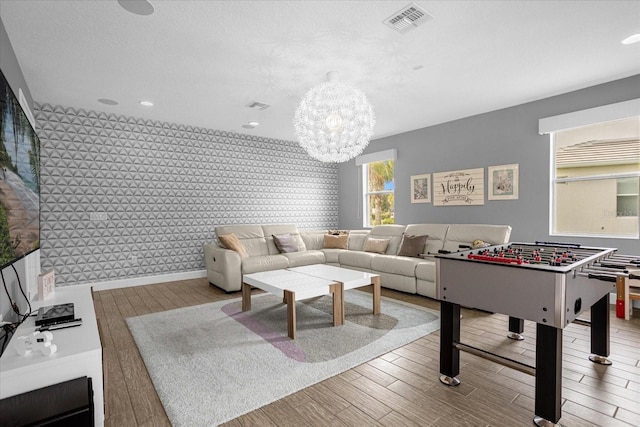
(379, 193)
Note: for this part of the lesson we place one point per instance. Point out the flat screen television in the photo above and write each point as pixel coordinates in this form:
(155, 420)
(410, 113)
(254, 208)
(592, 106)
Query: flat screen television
(19, 180)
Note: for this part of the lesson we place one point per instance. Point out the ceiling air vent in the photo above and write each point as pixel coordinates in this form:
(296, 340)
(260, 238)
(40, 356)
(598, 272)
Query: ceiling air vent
(258, 105)
(408, 18)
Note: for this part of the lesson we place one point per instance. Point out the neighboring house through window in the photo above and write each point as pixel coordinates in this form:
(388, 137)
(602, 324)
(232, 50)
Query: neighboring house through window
(378, 187)
(595, 173)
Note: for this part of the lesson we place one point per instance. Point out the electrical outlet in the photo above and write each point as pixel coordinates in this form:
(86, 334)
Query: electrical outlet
(98, 216)
(133, 259)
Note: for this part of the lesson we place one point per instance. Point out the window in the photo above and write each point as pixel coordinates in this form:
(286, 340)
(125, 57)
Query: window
(379, 193)
(627, 197)
(378, 187)
(595, 176)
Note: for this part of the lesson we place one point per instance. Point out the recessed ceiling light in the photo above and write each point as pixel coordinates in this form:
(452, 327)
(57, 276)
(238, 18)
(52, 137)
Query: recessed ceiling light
(107, 101)
(631, 39)
(248, 127)
(254, 124)
(138, 7)
(146, 103)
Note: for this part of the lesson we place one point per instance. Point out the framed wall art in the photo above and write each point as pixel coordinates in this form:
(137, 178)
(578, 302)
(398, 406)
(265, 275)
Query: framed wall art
(459, 188)
(503, 182)
(421, 188)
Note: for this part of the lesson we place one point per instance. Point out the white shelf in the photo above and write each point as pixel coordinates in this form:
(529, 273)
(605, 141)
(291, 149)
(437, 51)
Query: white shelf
(79, 352)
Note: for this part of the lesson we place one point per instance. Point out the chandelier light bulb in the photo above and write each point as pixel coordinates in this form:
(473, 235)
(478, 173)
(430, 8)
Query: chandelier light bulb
(334, 121)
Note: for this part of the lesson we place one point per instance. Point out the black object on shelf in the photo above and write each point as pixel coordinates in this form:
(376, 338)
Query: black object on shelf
(68, 404)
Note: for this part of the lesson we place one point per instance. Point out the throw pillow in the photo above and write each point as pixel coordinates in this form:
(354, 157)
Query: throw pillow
(285, 243)
(412, 246)
(336, 242)
(378, 246)
(479, 244)
(231, 241)
(338, 232)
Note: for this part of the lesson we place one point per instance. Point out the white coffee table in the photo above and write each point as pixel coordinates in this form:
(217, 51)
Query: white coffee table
(350, 279)
(292, 287)
(301, 283)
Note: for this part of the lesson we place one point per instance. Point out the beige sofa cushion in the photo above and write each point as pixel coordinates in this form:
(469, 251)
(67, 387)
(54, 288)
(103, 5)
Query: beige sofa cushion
(251, 236)
(426, 270)
(313, 240)
(393, 264)
(361, 260)
(391, 232)
(256, 264)
(357, 239)
(332, 256)
(297, 259)
(465, 234)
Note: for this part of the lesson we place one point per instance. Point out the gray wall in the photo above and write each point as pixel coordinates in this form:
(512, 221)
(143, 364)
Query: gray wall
(496, 138)
(163, 187)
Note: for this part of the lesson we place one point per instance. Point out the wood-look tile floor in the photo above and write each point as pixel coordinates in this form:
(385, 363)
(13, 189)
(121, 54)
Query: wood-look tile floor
(400, 388)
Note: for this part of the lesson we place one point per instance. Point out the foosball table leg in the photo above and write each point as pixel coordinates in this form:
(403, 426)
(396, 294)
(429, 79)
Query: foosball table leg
(600, 331)
(449, 337)
(516, 327)
(548, 375)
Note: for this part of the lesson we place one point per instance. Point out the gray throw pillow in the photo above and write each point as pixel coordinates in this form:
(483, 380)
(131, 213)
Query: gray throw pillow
(285, 243)
(412, 246)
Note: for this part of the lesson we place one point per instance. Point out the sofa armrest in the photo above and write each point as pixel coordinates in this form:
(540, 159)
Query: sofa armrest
(224, 267)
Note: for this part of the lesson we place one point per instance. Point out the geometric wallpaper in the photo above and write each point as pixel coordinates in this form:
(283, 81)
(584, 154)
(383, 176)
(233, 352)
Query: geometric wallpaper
(123, 197)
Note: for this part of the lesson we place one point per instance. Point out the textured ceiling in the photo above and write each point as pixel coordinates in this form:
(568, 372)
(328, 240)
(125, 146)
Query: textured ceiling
(202, 62)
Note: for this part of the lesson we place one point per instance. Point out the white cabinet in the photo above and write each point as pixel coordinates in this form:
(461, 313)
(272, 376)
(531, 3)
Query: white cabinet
(79, 352)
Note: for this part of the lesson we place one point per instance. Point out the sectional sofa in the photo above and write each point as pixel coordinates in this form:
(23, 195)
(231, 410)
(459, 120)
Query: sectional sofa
(413, 274)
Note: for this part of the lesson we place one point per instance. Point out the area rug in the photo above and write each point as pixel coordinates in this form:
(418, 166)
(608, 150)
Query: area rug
(211, 363)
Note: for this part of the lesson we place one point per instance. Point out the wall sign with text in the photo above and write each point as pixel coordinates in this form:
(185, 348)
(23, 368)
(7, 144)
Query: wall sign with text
(459, 188)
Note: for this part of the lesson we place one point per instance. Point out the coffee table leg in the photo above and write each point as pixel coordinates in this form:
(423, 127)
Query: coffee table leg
(246, 297)
(375, 282)
(290, 297)
(337, 290)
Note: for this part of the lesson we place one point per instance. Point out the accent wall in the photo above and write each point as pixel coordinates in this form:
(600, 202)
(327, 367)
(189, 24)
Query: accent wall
(125, 197)
(499, 137)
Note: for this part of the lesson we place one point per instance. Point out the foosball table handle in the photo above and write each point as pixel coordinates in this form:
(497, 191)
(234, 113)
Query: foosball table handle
(602, 277)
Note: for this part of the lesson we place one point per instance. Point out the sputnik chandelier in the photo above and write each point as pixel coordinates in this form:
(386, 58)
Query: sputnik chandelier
(334, 121)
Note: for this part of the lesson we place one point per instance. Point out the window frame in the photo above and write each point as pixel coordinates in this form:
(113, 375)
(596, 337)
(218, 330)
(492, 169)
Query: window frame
(554, 181)
(363, 162)
(366, 223)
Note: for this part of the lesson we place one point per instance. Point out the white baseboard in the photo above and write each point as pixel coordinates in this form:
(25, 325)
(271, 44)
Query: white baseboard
(147, 280)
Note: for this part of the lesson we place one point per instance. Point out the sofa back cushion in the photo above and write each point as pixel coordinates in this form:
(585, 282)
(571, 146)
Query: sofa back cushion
(465, 234)
(436, 234)
(251, 237)
(392, 232)
(313, 240)
(271, 229)
(357, 239)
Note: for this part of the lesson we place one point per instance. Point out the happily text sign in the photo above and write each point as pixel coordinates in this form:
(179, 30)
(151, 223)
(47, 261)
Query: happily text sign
(458, 188)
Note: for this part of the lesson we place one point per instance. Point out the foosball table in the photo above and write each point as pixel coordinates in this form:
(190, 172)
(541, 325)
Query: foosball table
(544, 282)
